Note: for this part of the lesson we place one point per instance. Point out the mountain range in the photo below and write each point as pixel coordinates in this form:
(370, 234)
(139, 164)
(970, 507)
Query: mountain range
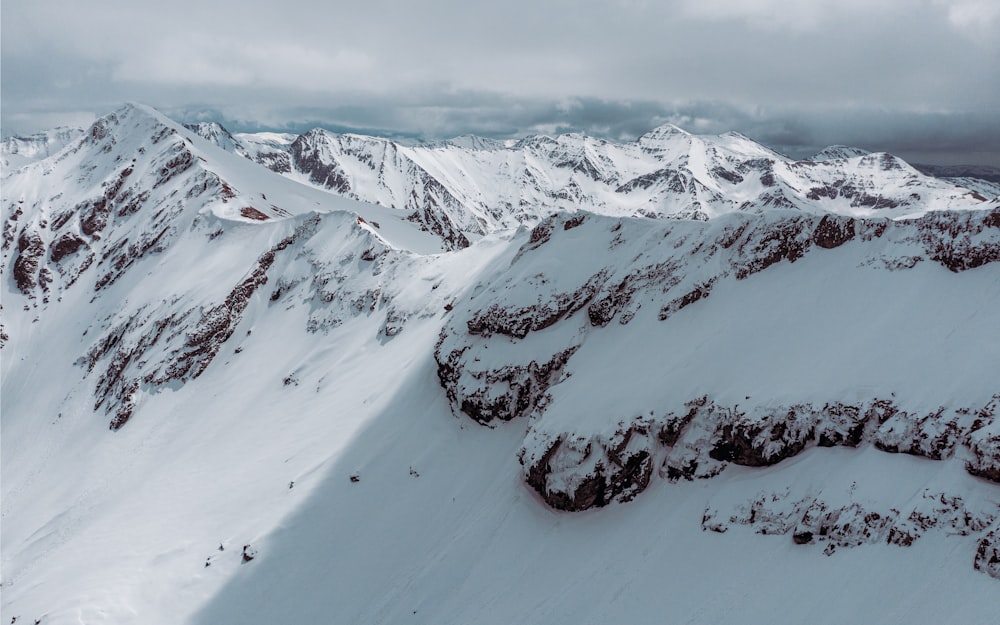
(257, 378)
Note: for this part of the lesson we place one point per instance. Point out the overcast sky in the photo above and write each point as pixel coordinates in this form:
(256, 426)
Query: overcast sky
(920, 78)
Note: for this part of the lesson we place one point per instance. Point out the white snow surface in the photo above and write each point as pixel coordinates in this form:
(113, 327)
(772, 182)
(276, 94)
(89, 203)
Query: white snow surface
(312, 431)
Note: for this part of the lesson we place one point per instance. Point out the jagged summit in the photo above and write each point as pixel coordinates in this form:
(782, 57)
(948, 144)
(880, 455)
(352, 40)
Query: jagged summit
(837, 152)
(666, 131)
(217, 134)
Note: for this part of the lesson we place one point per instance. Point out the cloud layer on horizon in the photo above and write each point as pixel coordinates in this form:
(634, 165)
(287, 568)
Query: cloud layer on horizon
(921, 79)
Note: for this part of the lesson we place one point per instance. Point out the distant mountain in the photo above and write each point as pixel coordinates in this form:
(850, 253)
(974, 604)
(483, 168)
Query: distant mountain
(470, 186)
(332, 378)
(19, 151)
(982, 172)
(838, 152)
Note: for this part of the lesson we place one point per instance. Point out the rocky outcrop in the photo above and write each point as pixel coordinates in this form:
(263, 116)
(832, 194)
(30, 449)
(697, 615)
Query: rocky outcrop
(763, 247)
(441, 225)
(833, 231)
(517, 322)
(700, 441)
(66, 244)
(812, 520)
(149, 350)
(614, 469)
(308, 157)
(961, 241)
(30, 250)
(984, 442)
(987, 557)
(503, 393)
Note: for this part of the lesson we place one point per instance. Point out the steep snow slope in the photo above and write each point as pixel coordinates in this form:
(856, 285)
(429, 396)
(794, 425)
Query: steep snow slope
(295, 385)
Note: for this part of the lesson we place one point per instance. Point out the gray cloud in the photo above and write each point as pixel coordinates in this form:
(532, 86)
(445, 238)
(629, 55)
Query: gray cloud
(921, 79)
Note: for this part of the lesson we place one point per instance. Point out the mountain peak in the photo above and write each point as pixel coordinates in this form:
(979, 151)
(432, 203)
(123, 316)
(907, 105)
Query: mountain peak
(662, 134)
(216, 133)
(837, 152)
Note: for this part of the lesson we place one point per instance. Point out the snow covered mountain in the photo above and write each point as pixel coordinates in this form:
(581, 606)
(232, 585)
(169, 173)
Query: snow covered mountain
(19, 151)
(469, 186)
(245, 379)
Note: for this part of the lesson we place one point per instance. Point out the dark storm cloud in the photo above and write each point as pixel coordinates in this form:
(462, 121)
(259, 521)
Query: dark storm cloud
(917, 77)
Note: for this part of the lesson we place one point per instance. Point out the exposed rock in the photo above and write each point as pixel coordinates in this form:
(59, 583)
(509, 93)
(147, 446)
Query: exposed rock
(618, 298)
(308, 158)
(961, 241)
(67, 243)
(984, 442)
(180, 162)
(252, 213)
(395, 320)
(987, 557)
(842, 424)
(93, 216)
(249, 553)
(702, 440)
(504, 393)
(146, 351)
(30, 250)
(785, 240)
(933, 435)
(700, 291)
(518, 322)
(764, 440)
(833, 231)
(812, 520)
(619, 469)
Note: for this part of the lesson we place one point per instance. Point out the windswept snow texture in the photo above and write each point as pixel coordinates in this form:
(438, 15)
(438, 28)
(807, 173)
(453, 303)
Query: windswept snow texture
(332, 378)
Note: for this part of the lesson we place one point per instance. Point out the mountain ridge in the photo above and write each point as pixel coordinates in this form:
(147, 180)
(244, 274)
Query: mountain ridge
(241, 383)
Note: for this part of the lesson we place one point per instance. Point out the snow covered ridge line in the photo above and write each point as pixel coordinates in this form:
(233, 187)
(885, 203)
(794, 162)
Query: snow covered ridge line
(120, 209)
(140, 351)
(169, 239)
(461, 190)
